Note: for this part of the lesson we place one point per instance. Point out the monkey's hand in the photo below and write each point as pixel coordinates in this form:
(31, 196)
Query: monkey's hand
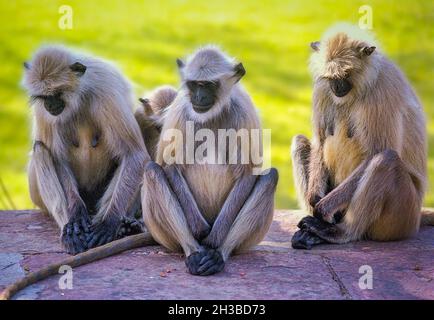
(330, 210)
(75, 232)
(205, 263)
(130, 226)
(104, 231)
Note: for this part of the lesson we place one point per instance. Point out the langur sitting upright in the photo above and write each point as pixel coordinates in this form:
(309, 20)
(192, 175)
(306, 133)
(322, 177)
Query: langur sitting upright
(88, 153)
(364, 173)
(210, 208)
(151, 114)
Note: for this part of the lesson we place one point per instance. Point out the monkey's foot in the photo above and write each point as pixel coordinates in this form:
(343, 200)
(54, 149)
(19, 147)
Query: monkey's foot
(303, 239)
(75, 233)
(103, 232)
(205, 263)
(326, 231)
(130, 226)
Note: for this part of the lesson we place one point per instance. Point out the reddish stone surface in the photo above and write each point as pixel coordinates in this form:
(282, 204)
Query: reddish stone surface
(272, 270)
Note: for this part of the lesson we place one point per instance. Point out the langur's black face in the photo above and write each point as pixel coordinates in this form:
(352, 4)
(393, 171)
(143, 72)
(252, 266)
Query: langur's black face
(203, 94)
(340, 87)
(54, 104)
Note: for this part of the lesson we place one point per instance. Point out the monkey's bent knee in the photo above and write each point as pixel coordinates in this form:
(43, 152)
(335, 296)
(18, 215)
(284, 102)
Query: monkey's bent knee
(386, 158)
(272, 176)
(299, 142)
(153, 170)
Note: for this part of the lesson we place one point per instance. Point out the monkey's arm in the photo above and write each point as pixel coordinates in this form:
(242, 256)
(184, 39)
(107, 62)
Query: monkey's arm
(332, 207)
(127, 146)
(118, 198)
(318, 176)
(58, 190)
(75, 232)
(232, 206)
(199, 227)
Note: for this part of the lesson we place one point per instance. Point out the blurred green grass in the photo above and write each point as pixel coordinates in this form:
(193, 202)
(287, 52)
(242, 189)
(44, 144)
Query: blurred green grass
(144, 37)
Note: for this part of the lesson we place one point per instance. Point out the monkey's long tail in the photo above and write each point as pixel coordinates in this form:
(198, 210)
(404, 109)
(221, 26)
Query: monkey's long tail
(427, 218)
(109, 249)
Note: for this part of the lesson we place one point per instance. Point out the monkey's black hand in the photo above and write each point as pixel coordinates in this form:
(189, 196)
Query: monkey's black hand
(104, 232)
(76, 231)
(327, 211)
(205, 263)
(130, 226)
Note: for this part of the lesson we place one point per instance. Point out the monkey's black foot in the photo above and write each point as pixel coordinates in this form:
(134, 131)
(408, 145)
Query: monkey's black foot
(205, 263)
(326, 231)
(303, 239)
(130, 226)
(75, 233)
(103, 232)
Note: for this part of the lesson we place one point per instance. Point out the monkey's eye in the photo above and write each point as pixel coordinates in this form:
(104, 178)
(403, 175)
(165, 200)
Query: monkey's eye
(191, 85)
(214, 85)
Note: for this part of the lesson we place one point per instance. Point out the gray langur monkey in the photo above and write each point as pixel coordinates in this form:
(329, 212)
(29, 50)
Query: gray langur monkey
(364, 173)
(150, 115)
(88, 154)
(210, 209)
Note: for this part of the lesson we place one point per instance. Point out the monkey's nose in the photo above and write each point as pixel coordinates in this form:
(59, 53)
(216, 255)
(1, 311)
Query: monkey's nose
(340, 87)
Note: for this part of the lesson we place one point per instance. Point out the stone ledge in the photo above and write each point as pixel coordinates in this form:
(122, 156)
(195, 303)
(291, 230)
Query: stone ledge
(272, 270)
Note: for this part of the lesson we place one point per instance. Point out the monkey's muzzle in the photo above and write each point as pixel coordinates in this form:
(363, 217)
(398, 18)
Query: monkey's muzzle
(340, 87)
(54, 104)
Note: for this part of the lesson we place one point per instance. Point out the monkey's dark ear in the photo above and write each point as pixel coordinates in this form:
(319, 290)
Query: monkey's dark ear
(239, 71)
(367, 51)
(78, 68)
(315, 45)
(180, 63)
(26, 65)
(144, 102)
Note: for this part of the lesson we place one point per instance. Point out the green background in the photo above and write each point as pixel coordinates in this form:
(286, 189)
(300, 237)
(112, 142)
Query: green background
(271, 38)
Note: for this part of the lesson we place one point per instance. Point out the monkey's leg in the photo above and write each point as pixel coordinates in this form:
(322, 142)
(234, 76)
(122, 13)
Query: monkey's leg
(164, 217)
(60, 197)
(117, 199)
(199, 227)
(255, 217)
(385, 205)
(230, 210)
(300, 154)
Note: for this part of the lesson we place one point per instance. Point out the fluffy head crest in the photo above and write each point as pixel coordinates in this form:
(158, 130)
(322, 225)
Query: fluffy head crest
(50, 70)
(207, 64)
(341, 50)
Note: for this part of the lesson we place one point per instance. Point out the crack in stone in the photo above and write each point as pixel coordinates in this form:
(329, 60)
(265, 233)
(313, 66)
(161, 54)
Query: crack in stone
(343, 290)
